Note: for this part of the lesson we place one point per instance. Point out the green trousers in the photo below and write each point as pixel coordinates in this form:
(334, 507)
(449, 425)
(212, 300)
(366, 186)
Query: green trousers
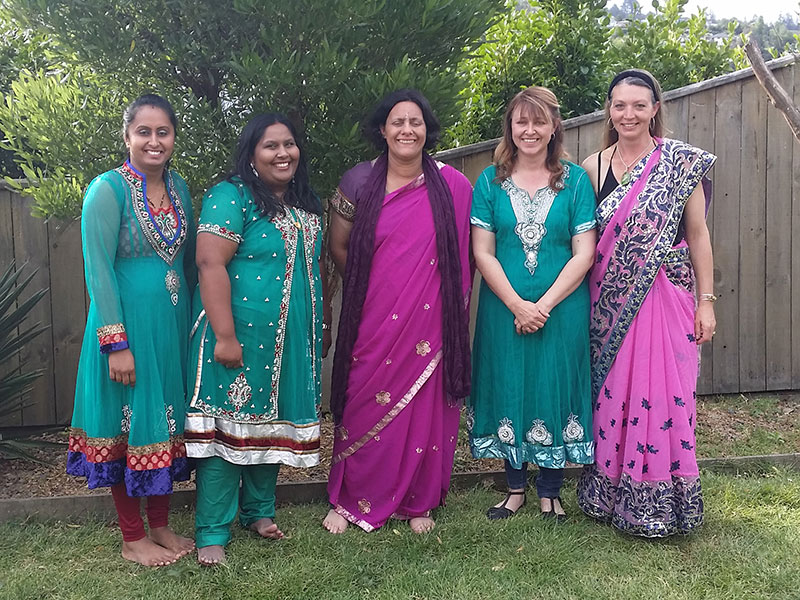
(223, 489)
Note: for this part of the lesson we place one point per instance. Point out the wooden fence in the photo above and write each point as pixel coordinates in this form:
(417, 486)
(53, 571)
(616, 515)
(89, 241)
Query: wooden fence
(753, 220)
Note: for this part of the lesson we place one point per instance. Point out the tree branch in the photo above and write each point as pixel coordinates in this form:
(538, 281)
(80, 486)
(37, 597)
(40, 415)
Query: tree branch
(777, 95)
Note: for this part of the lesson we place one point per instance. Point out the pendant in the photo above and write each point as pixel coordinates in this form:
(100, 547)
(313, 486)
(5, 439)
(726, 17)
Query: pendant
(297, 224)
(626, 178)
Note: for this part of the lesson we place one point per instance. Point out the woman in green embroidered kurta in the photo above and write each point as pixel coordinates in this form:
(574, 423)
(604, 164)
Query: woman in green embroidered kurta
(256, 347)
(533, 240)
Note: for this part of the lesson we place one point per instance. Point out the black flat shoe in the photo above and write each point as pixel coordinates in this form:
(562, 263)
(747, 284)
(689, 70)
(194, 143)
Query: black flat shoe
(502, 512)
(552, 514)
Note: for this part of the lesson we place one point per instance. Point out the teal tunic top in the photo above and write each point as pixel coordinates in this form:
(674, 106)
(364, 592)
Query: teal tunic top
(140, 273)
(266, 411)
(531, 393)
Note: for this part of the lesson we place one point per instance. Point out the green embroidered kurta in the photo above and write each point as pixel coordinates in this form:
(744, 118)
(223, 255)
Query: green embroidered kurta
(531, 394)
(267, 410)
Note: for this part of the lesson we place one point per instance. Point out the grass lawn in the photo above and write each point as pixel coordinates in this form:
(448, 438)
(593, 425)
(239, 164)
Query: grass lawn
(749, 549)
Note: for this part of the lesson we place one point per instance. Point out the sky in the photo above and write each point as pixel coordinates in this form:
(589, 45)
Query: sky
(741, 9)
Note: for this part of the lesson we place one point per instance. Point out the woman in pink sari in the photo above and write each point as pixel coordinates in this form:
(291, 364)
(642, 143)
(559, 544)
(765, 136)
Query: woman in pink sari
(399, 234)
(653, 255)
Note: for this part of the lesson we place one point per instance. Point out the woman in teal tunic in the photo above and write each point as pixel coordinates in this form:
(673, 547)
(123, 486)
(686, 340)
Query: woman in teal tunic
(138, 233)
(256, 346)
(533, 239)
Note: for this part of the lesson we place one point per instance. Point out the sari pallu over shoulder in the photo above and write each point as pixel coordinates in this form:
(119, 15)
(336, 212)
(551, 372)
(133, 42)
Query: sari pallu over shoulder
(637, 226)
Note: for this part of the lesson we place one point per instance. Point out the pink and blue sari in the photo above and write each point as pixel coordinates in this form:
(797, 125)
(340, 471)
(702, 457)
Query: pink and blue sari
(393, 448)
(643, 351)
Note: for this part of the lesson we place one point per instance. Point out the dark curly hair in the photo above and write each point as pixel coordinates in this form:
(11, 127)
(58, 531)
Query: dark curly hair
(372, 126)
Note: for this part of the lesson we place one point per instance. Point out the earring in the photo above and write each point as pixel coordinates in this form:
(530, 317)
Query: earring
(610, 124)
(652, 124)
(252, 167)
(552, 136)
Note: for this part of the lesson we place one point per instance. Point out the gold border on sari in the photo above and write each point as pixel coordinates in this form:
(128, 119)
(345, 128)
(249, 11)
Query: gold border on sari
(396, 409)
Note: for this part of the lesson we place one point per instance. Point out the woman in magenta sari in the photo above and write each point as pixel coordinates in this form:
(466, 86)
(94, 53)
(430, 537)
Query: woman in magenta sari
(653, 255)
(399, 234)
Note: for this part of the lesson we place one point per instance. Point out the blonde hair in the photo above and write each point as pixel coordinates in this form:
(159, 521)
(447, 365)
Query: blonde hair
(537, 102)
(638, 78)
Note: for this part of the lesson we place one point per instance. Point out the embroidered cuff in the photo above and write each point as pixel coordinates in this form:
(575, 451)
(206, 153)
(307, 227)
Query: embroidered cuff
(220, 231)
(482, 224)
(584, 227)
(343, 206)
(112, 338)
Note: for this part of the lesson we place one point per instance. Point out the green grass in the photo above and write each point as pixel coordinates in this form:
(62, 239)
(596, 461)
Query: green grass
(749, 548)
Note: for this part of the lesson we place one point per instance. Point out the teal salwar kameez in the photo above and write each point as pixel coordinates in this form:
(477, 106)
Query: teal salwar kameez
(140, 273)
(245, 422)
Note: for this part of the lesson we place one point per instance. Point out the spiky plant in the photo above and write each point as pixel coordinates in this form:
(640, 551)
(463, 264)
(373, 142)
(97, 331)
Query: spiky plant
(15, 383)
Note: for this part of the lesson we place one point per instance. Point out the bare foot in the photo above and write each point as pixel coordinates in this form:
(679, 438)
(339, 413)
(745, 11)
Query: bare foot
(421, 524)
(210, 556)
(266, 528)
(146, 552)
(164, 536)
(334, 522)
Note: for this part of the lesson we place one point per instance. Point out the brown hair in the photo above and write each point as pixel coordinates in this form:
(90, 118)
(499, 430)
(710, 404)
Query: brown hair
(640, 78)
(538, 102)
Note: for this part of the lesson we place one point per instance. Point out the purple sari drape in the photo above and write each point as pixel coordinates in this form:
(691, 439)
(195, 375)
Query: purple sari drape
(393, 451)
(643, 351)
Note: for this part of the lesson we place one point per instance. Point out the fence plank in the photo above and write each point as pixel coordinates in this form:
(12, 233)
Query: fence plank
(30, 245)
(752, 242)
(68, 312)
(571, 143)
(476, 163)
(590, 139)
(795, 267)
(727, 136)
(778, 244)
(701, 108)
(7, 255)
(677, 118)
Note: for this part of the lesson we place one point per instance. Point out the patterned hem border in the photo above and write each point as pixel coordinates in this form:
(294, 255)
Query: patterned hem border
(404, 517)
(549, 457)
(267, 456)
(650, 509)
(396, 409)
(340, 510)
(153, 482)
(137, 458)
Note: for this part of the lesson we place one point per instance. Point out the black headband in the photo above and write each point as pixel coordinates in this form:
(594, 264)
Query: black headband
(638, 75)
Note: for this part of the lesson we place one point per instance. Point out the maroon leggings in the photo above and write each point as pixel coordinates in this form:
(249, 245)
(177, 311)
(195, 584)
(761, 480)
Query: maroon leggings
(130, 518)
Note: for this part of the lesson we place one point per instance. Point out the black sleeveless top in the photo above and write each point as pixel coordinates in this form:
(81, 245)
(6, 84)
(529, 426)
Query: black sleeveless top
(610, 182)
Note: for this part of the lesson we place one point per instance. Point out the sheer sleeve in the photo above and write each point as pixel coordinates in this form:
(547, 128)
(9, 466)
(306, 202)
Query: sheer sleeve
(582, 218)
(482, 214)
(100, 226)
(189, 265)
(223, 212)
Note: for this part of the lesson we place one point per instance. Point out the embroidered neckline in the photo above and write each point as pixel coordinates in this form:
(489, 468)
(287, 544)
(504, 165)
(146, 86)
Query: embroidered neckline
(166, 247)
(531, 213)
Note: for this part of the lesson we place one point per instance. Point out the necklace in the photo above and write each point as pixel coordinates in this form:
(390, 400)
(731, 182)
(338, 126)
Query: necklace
(626, 176)
(160, 200)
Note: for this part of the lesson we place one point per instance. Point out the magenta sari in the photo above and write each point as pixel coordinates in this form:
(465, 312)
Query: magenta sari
(644, 355)
(393, 451)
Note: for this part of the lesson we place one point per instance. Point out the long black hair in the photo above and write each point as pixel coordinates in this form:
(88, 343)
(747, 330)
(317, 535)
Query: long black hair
(299, 193)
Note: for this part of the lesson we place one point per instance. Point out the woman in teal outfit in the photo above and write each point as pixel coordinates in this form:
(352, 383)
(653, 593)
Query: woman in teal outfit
(257, 339)
(533, 239)
(138, 248)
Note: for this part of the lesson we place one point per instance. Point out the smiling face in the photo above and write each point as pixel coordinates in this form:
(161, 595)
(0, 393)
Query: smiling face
(275, 158)
(405, 131)
(531, 132)
(631, 110)
(150, 139)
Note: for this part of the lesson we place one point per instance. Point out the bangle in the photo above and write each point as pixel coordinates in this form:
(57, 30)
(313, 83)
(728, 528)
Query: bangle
(707, 297)
(326, 326)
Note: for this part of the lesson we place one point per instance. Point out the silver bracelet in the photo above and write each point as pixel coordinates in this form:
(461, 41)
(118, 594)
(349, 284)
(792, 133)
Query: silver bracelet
(707, 297)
